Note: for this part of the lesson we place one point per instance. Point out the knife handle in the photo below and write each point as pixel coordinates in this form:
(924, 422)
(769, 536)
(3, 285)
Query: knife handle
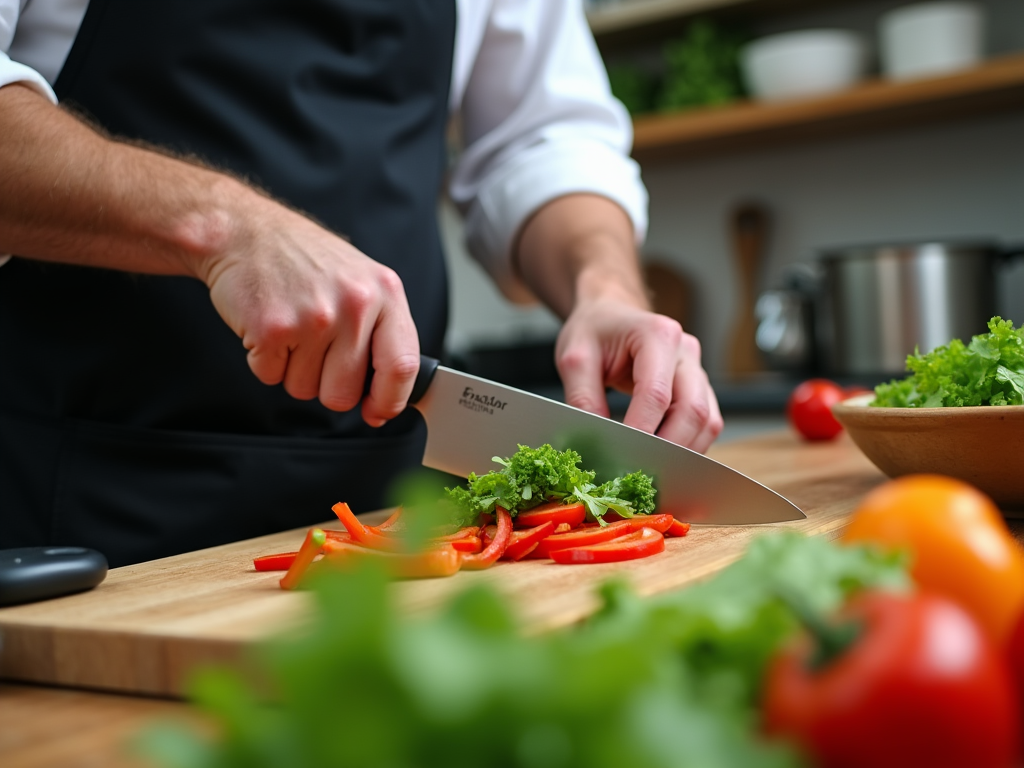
(428, 365)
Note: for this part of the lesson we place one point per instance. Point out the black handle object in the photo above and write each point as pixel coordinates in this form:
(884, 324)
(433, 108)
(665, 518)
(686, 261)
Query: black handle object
(28, 574)
(426, 374)
(428, 366)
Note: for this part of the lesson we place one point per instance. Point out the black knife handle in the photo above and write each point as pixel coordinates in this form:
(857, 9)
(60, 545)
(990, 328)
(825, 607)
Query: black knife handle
(428, 365)
(28, 574)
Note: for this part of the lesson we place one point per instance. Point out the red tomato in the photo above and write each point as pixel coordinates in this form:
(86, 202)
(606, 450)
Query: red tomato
(632, 546)
(810, 409)
(922, 685)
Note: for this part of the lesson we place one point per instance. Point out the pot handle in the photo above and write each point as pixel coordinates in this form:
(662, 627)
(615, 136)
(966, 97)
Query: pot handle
(1011, 252)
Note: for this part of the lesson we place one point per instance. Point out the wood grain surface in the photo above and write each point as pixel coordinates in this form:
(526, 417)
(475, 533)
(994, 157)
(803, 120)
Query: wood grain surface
(148, 625)
(44, 727)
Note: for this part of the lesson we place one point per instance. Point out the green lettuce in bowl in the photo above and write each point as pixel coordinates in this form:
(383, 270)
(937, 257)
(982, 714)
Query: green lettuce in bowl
(988, 371)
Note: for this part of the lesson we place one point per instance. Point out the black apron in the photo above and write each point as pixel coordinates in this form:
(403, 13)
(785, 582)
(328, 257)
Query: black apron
(129, 419)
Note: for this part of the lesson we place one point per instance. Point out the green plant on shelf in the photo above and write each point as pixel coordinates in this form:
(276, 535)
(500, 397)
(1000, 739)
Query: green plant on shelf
(699, 69)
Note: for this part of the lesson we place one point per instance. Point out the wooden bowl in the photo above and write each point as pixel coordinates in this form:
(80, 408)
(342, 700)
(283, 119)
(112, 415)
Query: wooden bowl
(982, 445)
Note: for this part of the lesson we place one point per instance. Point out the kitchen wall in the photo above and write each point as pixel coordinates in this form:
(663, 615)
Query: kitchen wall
(950, 179)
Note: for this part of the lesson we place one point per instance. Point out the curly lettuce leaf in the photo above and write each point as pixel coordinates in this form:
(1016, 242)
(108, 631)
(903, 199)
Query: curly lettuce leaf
(988, 371)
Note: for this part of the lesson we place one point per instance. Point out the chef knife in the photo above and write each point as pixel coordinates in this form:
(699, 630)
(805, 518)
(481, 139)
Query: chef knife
(469, 420)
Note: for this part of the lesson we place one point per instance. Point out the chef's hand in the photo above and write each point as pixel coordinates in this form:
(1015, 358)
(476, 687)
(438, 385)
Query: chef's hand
(309, 307)
(577, 254)
(607, 343)
(312, 310)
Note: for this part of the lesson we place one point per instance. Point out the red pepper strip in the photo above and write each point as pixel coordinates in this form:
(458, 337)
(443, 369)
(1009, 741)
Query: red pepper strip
(587, 535)
(678, 528)
(462, 533)
(310, 548)
(350, 521)
(282, 561)
(632, 546)
(494, 550)
(580, 537)
(573, 514)
(470, 544)
(390, 523)
(442, 561)
(523, 542)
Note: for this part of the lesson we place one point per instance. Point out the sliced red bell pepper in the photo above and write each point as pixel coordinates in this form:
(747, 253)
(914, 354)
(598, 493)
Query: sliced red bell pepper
(439, 561)
(494, 550)
(315, 539)
(589, 534)
(470, 544)
(525, 540)
(462, 533)
(678, 528)
(632, 546)
(391, 522)
(282, 561)
(580, 537)
(555, 511)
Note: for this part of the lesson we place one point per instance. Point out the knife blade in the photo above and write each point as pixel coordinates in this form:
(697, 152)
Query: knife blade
(469, 420)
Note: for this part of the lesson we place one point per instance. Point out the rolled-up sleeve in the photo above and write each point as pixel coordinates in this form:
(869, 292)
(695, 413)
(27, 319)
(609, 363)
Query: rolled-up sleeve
(12, 71)
(538, 122)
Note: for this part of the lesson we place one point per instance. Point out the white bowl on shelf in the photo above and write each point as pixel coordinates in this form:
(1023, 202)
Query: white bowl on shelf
(930, 39)
(810, 62)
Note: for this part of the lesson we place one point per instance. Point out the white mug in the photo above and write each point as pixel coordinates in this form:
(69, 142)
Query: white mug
(931, 39)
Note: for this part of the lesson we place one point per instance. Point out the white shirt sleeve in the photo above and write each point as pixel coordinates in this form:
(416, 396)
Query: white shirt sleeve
(538, 122)
(12, 71)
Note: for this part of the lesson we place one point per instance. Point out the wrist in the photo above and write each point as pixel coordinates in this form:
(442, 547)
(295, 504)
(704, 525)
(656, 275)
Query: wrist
(610, 271)
(214, 223)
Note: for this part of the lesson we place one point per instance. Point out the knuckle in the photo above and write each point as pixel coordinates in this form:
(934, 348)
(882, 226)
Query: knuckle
(359, 299)
(659, 393)
(337, 401)
(667, 329)
(691, 346)
(701, 411)
(571, 360)
(406, 366)
(391, 282)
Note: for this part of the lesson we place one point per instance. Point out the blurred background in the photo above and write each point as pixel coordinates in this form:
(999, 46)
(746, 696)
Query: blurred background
(831, 182)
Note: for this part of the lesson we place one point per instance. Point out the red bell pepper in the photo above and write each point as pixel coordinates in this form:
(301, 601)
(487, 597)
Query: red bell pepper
(632, 546)
(555, 511)
(591, 534)
(282, 561)
(677, 529)
(438, 561)
(494, 550)
(524, 541)
(315, 539)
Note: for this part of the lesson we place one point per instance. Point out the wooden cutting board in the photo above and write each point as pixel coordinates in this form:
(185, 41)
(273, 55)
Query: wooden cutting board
(148, 625)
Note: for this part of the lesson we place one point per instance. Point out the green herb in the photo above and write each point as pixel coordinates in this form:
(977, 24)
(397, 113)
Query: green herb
(670, 682)
(988, 371)
(533, 476)
(701, 68)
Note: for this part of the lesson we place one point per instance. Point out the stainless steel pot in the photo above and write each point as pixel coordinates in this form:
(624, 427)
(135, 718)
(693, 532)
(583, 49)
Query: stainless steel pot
(878, 303)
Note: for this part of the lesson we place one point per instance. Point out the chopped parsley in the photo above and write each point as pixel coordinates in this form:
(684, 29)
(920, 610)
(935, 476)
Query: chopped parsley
(533, 476)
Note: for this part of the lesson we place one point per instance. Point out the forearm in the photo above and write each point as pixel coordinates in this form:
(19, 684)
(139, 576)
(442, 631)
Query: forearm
(580, 247)
(69, 194)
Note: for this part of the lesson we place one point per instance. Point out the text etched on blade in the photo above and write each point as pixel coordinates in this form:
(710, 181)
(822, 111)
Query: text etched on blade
(483, 403)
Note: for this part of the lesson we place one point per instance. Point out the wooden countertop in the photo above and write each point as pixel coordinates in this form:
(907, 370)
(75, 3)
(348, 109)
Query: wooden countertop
(119, 636)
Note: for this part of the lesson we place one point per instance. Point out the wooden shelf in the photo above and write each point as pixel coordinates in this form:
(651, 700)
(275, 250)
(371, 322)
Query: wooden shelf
(998, 85)
(629, 14)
